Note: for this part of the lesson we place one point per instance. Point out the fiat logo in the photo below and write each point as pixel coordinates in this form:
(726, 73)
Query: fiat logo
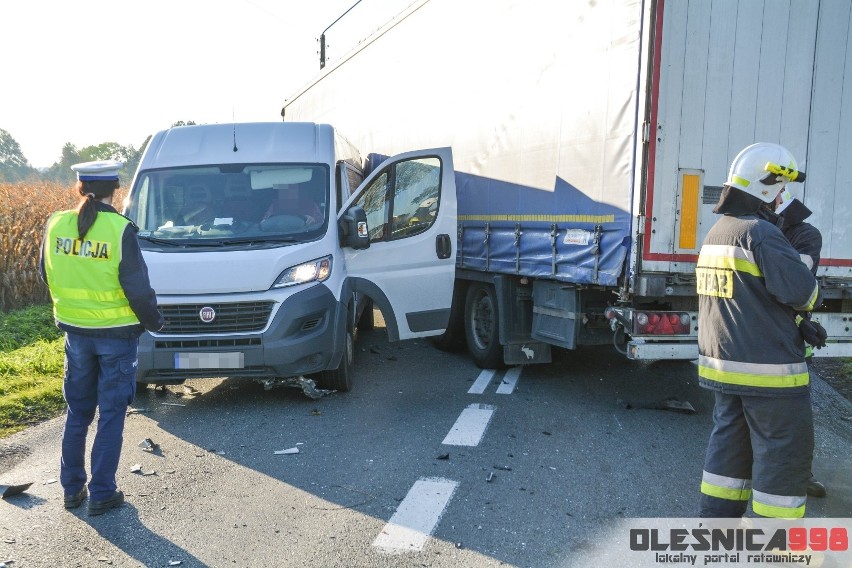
(207, 314)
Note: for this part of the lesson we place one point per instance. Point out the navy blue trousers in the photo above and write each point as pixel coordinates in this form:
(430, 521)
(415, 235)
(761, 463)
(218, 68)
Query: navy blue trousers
(100, 374)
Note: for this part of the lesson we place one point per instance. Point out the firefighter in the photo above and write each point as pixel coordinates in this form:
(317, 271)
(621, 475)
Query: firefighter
(807, 240)
(750, 283)
(102, 300)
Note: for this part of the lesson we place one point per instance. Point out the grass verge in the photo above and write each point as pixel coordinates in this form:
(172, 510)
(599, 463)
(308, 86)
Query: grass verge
(31, 362)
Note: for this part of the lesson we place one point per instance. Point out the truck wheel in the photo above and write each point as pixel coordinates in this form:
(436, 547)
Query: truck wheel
(480, 327)
(340, 379)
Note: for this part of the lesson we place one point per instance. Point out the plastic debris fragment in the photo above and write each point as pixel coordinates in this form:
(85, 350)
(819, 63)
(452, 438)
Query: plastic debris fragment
(286, 452)
(9, 490)
(308, 386)
(149, 445)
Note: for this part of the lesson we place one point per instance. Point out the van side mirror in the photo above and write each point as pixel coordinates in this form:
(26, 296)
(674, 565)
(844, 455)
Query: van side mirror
(353, 228)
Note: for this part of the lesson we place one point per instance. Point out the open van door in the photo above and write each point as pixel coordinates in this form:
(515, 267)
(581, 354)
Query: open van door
(409, 266)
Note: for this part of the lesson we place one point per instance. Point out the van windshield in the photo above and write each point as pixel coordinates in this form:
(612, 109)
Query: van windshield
(233, 202)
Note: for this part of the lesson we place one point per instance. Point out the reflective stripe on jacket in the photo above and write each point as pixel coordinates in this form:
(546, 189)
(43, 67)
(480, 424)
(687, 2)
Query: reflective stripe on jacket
(83, 274)
(750, 283)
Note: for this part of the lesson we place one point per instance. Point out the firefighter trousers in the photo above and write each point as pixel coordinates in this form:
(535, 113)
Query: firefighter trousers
(761, 449)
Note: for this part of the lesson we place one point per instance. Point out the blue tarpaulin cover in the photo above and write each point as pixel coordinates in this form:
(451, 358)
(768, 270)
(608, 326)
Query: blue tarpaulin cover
(560, 234)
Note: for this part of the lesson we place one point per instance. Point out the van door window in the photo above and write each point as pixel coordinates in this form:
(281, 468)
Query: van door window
(403, 200)
(374, 200)
(416, 191)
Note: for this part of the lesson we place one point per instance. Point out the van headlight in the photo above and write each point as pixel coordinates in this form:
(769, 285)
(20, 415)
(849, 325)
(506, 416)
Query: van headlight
(314, 271)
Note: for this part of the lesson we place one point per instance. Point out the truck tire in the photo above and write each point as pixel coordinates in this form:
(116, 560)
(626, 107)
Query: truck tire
(340, 379)
(481, 326)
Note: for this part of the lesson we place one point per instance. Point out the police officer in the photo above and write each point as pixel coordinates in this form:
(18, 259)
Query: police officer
(751, 282)
(790, 215)
(103, 301)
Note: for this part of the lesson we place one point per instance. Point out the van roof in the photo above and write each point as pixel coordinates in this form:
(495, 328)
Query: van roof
(252, 142)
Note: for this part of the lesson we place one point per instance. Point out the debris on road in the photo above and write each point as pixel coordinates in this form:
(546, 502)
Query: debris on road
(137, 468)
(308, 386)
(136, 411)
(671, 404)
(148, 445)
(175, 562)
(286, 452)
(503, 467)
(9, 490)
(172, 404)
(490, 476)
(443, 456)
(49, 481)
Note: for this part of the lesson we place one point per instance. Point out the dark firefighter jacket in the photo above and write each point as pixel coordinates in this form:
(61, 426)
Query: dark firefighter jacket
(750, 282)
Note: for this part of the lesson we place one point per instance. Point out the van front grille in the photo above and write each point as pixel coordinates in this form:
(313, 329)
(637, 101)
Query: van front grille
(237, 317)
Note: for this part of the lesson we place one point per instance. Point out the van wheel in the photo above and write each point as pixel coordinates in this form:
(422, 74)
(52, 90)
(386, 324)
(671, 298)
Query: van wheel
(367, 320)
(453, 338)
(481, 327)
(340, 379)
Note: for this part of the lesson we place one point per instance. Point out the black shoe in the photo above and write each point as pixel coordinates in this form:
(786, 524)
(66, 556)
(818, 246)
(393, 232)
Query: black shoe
(815, 488)
(101, 507)
(74, 501)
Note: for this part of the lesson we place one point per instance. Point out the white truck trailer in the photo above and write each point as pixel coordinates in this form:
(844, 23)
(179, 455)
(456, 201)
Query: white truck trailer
(590, 143)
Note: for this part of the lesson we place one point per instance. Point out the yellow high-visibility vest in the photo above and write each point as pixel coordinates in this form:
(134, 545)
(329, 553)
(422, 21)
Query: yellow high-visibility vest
(82, 274)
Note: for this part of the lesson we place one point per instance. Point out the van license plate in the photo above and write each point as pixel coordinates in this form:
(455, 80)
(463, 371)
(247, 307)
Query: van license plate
(235, 360)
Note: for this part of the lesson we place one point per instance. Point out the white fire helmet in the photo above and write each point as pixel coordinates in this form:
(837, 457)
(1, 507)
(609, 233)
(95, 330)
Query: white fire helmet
(762, 170)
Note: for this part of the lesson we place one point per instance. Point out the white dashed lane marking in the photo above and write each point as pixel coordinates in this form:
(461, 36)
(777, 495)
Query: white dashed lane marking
(417, 516)
(419, 513)
(470, 425)
(481, 383)
(510, 380)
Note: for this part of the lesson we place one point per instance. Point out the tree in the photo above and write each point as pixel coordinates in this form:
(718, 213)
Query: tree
(13, 165)
(61, 171)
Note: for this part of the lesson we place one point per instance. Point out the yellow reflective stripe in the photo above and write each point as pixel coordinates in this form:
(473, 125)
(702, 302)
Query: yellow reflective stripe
(753, 380)
(728, 250)
(778, 506)
(742, 181)
(101, 313)
(87, 294)
(811, 301)
(753, 368)
(547, 218)
(725, 492)
(731, 263)
(724, 487)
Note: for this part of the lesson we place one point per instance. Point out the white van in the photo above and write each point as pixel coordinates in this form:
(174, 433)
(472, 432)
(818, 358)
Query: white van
(264, 247)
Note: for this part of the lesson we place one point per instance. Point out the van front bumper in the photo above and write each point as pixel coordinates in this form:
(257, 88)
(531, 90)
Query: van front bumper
(306, 335)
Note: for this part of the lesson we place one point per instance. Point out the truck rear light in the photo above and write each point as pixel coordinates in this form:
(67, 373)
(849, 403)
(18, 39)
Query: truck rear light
(661, 323)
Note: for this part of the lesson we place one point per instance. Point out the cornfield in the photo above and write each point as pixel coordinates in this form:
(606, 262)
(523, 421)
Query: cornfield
(24, 209)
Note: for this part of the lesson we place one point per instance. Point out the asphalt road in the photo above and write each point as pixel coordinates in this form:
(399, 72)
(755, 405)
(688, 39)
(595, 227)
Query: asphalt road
(426, 462)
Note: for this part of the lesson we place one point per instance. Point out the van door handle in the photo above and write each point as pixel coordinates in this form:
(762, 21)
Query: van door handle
(443, 246)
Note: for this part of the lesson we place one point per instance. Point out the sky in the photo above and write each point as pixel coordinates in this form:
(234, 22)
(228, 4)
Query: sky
(94, 71)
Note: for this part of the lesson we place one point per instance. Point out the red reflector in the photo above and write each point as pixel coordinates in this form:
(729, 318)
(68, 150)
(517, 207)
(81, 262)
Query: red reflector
(661, 323)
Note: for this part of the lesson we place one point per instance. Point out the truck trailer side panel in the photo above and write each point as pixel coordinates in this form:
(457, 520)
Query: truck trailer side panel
(542, 123)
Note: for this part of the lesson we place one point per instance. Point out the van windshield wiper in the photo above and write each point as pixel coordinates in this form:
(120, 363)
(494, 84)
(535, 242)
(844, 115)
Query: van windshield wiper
(157, 241)
(261, 241)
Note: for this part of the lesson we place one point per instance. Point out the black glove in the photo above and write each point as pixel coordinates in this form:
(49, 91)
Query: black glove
(813, 333)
